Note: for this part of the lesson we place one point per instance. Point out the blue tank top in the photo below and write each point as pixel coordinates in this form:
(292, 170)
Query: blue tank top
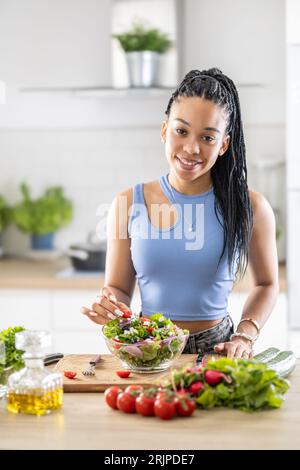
(177, 270)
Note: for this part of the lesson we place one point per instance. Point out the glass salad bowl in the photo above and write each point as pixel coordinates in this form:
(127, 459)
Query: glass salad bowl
(145, 344)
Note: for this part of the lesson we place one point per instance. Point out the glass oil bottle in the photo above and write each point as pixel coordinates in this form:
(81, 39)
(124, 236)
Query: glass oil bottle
(33, 389)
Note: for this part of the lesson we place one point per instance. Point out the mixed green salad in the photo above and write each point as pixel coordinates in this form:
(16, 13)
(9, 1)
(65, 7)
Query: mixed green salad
(145, 342)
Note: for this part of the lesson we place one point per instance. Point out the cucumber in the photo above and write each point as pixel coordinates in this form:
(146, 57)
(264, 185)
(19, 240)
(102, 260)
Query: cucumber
(284, 363)
(267, 355)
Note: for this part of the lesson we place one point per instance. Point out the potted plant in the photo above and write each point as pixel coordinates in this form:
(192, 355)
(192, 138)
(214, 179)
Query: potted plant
(5, 217)
(143, 47)
(42, 217)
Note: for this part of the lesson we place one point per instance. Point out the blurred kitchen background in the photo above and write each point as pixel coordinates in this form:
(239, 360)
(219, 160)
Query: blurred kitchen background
(69, 117)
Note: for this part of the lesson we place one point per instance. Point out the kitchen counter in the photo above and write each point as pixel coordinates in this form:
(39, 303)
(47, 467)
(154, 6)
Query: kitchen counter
(85, 422)
(58, 274)
(45, 274)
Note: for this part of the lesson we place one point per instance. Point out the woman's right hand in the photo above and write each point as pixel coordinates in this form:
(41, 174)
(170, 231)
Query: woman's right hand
(106, 307)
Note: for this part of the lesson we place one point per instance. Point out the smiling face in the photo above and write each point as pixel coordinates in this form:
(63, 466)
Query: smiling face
(194, 136)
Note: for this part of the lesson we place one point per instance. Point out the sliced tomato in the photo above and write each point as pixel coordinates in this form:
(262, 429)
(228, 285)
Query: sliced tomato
(118, 343)
(70, 374)
(127, 313)
(123, 373)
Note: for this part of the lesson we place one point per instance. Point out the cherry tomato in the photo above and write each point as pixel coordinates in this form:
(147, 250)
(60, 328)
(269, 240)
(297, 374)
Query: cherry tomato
(70, 374)
(144, 404)
(160, 394)
(164, 408)
(165, 393)
(184, 405)
(111, 395)
(127, 313)
(134, 388)
(123, 373)
(126, 402)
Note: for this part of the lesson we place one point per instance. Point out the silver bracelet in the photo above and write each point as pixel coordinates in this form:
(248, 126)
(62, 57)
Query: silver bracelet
(243, 335)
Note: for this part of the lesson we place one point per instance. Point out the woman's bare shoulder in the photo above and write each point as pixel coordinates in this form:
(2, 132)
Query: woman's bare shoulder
(151, 189)
(260, 205)
(125, 193)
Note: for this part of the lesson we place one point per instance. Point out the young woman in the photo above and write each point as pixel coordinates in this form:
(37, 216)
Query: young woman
(186, 262)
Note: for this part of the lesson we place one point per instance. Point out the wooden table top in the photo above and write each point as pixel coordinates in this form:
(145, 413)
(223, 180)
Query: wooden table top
(85, 422)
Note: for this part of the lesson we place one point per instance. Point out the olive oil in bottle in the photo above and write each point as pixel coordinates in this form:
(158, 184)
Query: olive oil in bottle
(33, 389)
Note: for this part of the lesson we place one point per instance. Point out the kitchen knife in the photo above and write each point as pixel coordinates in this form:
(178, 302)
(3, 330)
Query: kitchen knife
(52, 358)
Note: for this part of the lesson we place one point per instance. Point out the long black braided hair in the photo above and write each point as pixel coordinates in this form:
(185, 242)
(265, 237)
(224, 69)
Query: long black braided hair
(229, 173)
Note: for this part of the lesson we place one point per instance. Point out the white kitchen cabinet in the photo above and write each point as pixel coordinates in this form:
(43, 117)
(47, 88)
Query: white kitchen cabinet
(57, 311)
(30, 308)
(65, 308)
(80, 342)
(73, 332)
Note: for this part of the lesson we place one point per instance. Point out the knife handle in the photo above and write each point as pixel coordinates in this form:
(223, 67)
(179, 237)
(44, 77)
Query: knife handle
(51, 358)
(94, 360)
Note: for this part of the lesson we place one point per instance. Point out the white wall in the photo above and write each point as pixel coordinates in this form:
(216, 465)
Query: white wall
(246, 40)
(55, 42)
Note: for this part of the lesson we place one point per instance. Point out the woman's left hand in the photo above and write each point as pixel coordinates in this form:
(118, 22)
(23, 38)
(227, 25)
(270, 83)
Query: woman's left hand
(237, 347)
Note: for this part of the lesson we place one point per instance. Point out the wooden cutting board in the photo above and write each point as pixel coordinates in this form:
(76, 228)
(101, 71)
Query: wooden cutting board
(105, 373)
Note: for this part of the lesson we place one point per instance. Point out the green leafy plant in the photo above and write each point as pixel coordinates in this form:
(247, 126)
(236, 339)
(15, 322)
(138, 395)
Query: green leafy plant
(5, 214)
(13, 356)
(44, 215)
(139, 38)
(278, 232)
